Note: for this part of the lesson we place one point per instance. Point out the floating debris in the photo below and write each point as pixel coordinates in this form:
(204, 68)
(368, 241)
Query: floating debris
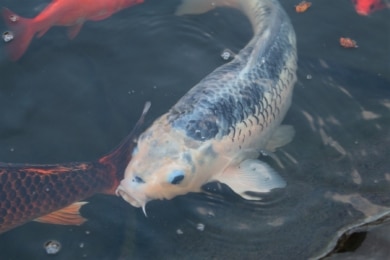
(179, 231)
(302, 6)
(8, 36)
(227, 54)
(348, 42)
(210, 214)
(52, 247)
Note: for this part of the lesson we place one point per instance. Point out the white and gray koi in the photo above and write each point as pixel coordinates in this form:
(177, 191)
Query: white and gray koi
(216, 131)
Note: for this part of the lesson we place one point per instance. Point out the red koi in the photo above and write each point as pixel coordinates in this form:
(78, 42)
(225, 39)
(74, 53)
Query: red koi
(71, 13)
(366, 7)
(51, 193)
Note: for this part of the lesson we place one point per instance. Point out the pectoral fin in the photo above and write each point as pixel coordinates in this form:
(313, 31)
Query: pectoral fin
(67, 216)
(251, 176)
(282, 136)
(74, 30)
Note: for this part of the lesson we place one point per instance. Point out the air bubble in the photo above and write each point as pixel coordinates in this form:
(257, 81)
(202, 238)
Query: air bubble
(8, 36)
(13, 18)
(227, 54)
(52, 247)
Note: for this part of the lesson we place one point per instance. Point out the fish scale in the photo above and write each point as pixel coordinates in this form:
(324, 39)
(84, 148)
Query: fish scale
(203, 112)
(26, 193)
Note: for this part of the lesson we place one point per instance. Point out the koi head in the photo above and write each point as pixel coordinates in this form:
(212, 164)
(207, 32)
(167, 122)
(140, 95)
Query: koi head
(161, 168)
(366, 7)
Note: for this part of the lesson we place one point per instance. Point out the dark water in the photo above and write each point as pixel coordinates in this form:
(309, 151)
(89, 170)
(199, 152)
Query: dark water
(75, 100)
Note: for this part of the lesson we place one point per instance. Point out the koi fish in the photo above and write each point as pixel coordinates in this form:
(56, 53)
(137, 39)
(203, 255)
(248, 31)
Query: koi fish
(50, 193)
(366, 7)
(71, 13)
(217, 130)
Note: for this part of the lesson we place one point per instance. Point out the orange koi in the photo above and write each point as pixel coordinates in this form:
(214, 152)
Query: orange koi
(302, 7)
(366, 7)
(348, 42)
(51, 193)
(71, 13)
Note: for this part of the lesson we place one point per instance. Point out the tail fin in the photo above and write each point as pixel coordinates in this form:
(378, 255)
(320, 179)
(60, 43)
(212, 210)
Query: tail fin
(22, 31)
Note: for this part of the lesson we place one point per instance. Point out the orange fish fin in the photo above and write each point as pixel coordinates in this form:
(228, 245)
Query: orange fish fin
(22, 31)
(74, 30)
(100, 17)
(42, 32)
(69, 215)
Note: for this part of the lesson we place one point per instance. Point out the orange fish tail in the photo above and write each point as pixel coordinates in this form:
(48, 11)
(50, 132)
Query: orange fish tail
(22, 30)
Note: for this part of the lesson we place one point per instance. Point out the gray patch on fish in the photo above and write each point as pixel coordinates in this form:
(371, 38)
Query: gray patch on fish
(233, 93)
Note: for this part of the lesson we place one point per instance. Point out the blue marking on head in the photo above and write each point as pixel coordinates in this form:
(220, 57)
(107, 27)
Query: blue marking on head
(176, 176)
(135, 151)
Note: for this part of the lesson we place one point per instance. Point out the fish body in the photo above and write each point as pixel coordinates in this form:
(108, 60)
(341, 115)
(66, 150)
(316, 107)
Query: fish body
(70, 13)
(28, 192)
(366, 7)
(217, 130)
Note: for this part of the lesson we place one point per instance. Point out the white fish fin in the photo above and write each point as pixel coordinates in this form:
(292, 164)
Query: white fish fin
(282, 136)
(251, 176)
(273, 156)
(203, 6)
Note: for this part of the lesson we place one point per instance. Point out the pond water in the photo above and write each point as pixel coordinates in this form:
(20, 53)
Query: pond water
(75, 100)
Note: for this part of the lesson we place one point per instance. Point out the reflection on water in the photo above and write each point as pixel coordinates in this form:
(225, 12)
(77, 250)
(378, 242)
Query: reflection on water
(83, 96)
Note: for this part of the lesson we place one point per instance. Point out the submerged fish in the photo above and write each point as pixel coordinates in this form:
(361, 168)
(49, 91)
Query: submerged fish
(366, 7)
(28, 192)
(71, 13)
(217, 130)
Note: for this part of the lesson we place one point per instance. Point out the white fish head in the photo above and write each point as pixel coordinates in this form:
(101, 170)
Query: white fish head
(162, 167)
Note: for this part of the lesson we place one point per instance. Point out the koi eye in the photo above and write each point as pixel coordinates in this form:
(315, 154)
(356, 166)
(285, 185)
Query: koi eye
(138, 179)
(175, 177)
(372, 7)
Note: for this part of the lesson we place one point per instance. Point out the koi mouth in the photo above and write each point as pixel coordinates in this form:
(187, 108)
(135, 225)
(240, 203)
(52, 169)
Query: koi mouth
(121, 191)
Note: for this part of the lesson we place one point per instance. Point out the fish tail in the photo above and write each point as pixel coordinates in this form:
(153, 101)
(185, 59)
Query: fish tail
(118, 159)
(22, 31)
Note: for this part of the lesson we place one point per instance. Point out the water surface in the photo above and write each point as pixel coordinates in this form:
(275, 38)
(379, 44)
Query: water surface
(75, 100)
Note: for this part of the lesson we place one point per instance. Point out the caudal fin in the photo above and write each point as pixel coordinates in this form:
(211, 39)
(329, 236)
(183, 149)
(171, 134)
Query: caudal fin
(22, 32)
